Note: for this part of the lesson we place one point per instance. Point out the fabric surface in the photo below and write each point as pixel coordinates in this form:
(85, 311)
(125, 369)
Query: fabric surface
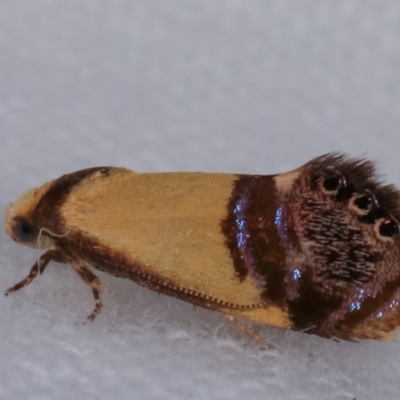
(229, 86)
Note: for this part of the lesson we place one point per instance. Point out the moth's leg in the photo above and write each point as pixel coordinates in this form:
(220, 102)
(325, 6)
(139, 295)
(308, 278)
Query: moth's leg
(38, 268)
(248, 331)
(93, 281)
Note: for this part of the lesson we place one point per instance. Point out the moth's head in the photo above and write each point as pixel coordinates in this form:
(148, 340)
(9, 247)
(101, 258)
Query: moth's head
(21, 223)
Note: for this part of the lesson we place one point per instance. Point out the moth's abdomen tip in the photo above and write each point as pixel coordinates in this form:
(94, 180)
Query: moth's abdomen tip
(347, 225)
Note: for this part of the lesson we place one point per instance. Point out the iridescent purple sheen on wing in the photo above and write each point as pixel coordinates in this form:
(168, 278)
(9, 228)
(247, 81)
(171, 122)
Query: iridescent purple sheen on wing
(256, 234)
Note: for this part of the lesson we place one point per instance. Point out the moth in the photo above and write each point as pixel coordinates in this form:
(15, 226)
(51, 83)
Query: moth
(315, 249)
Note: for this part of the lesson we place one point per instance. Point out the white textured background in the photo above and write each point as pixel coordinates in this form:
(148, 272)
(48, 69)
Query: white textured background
(241, 86)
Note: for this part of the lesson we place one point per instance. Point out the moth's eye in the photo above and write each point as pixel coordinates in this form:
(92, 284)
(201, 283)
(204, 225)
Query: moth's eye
(24, 231)
(365, 202)
(333, 182)
(388, 228)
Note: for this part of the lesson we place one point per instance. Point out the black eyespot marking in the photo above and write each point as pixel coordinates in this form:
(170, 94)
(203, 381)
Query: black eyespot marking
(388, 228)
(364, 202)
(24, 231)
(332, 183)
(337, 185)
(359, 178)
